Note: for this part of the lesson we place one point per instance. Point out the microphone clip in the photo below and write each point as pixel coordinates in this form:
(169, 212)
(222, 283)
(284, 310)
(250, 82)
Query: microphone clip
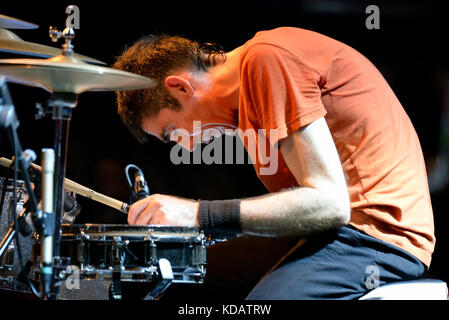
(139, 187)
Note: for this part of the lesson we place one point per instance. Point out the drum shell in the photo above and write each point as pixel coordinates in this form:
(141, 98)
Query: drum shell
(92, 249)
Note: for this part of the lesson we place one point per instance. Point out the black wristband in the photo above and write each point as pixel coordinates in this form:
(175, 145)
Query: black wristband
(220, 216)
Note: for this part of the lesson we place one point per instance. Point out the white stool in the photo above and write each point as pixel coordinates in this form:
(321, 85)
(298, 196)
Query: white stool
(422, 289)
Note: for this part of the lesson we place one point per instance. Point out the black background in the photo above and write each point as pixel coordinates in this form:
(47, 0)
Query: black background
(409, 49)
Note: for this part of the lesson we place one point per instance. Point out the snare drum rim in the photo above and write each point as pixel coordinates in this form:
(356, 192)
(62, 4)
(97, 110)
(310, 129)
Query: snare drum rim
(111, 232)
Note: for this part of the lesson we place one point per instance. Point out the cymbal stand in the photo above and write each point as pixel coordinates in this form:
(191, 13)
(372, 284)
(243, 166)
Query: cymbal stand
(62, 105)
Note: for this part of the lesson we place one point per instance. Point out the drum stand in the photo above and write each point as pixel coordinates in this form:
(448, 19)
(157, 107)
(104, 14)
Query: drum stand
(62, 105)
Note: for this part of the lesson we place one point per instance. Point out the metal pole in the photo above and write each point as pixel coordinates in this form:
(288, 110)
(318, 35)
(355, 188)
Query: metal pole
(62, 115)
(48, 164)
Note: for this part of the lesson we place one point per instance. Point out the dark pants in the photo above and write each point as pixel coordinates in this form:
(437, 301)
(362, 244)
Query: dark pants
(340, 264)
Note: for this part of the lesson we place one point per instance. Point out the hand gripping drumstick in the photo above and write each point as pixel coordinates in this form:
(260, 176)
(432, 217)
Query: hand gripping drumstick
(82, 190)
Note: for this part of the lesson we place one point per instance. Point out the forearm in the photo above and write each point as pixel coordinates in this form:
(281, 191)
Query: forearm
(293, 212)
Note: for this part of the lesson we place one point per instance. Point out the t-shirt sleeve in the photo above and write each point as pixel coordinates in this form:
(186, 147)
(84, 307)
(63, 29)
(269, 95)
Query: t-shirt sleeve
(279, 90)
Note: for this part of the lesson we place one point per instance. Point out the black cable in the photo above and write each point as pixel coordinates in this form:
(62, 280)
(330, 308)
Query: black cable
(16, 222)
(14, 203)
(127, 173)
(131, 196)
(2, 198)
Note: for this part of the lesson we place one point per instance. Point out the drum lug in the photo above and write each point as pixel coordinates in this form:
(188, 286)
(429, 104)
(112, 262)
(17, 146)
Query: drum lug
(153, 256)
(150, 251)
(81, 253)
(117, 259)
(199, 258)
(200, 255)
(118, 252)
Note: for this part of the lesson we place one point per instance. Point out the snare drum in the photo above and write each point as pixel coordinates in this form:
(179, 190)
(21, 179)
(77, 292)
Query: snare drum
(100, 250)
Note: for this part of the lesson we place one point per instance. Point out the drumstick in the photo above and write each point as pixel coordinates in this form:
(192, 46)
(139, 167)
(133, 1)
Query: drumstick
(82, 190)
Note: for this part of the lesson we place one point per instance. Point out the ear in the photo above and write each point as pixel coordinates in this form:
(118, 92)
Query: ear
(179, 87)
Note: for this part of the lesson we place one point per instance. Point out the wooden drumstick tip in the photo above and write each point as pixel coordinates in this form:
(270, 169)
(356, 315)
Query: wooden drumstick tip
(81, 190)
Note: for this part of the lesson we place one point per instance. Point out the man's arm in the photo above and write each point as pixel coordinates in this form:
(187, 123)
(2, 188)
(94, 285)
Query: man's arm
(321, 203)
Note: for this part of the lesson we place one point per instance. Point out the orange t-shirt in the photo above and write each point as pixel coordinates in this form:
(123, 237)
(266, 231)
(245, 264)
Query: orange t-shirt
(290, 77)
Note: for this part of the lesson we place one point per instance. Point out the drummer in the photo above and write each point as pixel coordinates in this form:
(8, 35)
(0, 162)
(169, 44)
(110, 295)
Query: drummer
(350, 176)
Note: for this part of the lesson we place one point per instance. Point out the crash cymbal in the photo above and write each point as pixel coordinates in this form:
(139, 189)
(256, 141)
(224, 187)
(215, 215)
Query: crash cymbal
(13, 23)
(70, 75)
(10, 42)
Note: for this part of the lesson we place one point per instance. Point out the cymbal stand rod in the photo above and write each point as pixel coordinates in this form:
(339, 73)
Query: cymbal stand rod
(62, 105)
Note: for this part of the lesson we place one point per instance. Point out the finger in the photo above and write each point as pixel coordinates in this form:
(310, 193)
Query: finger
(146, 216)
(158, 218)
(137, 208)
(134, 214)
